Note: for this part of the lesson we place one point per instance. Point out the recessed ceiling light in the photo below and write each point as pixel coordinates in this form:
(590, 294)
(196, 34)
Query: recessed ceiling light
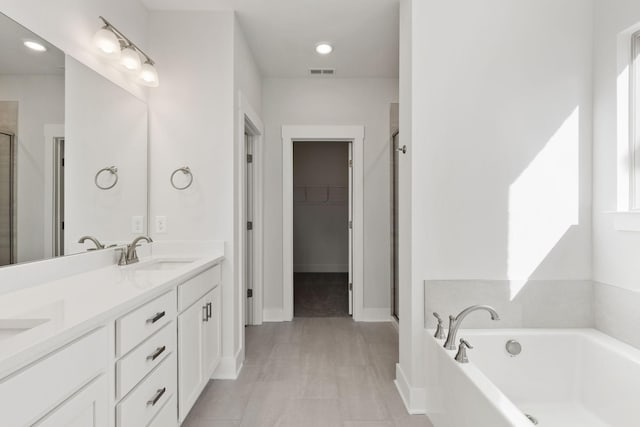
(324, 48)
(38, 47)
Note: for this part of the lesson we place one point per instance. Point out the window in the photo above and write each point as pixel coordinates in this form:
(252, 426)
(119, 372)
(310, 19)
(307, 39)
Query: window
(634, 122)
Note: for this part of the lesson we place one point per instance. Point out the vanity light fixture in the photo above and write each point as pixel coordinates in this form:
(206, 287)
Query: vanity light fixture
(112, 43)
(324, 48)
(130, 59)
(34, 45)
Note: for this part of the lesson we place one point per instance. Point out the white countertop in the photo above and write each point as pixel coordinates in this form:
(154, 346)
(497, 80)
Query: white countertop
(82, 302)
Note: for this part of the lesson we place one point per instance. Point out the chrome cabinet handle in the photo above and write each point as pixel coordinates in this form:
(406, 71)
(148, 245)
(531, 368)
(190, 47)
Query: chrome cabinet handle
(157, 317)
(209, 310)
(156, 397)
(205, 317)
(153, 356)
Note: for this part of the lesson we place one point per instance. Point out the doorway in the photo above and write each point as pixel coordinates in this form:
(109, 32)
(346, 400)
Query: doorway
(7, 198)
(354, 136)
(58, 196)
(321, 232)
(250, 148)
(249, 240)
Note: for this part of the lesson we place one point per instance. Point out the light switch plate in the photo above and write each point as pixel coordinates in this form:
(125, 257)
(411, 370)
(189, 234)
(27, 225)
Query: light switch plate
(161, 224)
(137, 224)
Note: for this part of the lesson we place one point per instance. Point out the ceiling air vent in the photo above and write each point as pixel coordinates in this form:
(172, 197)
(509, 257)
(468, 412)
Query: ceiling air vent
(322, 71)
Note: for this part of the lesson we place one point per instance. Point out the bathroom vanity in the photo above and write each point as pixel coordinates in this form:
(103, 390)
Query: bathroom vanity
(116, 346)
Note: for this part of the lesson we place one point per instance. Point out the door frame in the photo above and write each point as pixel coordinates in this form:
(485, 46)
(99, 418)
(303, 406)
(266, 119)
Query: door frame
(354, 135)
(249, 121)
(52, 133)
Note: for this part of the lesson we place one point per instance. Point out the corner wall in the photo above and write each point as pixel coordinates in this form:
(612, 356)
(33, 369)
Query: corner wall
(193, 116)
(191, 124)
(500, 151)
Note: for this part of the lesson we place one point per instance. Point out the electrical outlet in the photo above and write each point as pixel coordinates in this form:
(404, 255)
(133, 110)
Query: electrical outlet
(161, 224)
(137, 224)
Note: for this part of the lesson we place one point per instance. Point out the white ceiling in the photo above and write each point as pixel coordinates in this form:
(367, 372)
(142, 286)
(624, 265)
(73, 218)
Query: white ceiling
(17, 59)
(282, 34)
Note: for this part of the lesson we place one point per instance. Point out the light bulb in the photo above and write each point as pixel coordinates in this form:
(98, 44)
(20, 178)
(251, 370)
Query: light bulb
(130, 59)
(324, 48)
(148, 75)
(107, 43)
(33, 45)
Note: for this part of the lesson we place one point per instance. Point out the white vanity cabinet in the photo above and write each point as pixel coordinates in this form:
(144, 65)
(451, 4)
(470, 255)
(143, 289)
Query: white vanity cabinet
(146, 370)
(65, 388)
(87, 408)
(199, 331)
(143, 366)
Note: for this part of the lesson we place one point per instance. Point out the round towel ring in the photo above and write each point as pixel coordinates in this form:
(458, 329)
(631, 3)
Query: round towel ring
(111, 169)
(185, 170)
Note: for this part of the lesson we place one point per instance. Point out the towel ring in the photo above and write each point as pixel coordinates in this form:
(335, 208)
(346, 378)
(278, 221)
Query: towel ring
(185, 170)
(111, 169)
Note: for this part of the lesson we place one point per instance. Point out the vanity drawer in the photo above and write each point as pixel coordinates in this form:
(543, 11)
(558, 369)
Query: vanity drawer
(35, 390)
(149, 397)
(193, 289)
(139, 362)
(168, 415)
(135, 327)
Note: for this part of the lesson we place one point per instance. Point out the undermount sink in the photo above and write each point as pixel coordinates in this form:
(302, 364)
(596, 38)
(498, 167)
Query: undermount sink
(12, 327)
(164, 265)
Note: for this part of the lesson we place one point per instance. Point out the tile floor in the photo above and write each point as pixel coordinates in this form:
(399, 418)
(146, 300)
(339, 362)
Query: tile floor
(311, 372)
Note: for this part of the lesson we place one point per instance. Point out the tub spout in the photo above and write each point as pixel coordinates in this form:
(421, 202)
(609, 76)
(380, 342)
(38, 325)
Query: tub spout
(454, 323)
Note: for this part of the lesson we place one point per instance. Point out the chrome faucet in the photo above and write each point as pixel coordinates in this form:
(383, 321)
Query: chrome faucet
(131, 256)
(461, 357)
(454, 323)
(92, 239)
(439, 329)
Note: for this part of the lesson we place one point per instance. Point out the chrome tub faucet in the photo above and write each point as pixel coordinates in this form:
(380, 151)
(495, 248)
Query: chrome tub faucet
(461, 357)
(439, 329)
(454, 323)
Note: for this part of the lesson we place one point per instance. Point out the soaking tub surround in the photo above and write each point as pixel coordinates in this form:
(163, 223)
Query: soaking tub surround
(561, 378)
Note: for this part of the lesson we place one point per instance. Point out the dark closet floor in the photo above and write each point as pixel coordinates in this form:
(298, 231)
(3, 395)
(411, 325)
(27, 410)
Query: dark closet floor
(321, 294)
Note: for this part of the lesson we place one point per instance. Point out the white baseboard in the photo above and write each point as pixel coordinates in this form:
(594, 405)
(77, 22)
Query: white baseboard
(375, 315)
(414, 398)
(229, 367)
(321, 268)
(273, 315)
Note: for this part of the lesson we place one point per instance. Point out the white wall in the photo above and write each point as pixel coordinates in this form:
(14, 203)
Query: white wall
(616, 253)
(70, 25)
(332, 102)
(192, 123)
(40, 102)
(321, 207)
(500, 144)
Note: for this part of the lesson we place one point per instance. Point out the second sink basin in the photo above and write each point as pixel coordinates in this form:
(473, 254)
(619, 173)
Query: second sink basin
(12, 327)
(163, 265)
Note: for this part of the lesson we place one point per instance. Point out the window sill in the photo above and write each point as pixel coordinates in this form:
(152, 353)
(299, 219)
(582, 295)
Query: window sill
(626, 220)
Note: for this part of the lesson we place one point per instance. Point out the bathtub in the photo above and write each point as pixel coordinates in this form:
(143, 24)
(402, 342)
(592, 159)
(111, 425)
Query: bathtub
(562, 378)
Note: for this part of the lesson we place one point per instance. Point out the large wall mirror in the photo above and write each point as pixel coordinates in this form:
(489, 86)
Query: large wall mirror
(73, 153)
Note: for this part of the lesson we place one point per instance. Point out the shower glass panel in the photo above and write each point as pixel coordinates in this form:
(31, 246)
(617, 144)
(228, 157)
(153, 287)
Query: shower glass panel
(6, 198)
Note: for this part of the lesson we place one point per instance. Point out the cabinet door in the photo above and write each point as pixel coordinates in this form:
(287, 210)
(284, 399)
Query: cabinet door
(87, 408)
(190, 350)
(212, 333)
